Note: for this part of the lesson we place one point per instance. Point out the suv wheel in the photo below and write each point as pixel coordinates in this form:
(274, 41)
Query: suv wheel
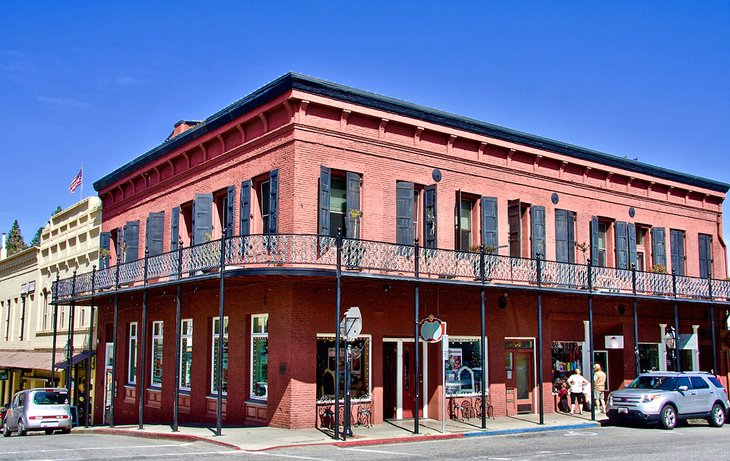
(6, 430)
(717, 416)
(668, 417)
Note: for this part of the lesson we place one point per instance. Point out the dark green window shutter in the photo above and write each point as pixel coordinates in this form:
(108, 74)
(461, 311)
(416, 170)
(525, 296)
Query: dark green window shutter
(705, 242)
(594, 240)
(571, 236)
(632, 245)
(537, 219)
(131, 241)
(353, 206)
(245, 206)
(154, 233)
(104, 244)
(676, 240)
(561, 236)
(404, 213)
(273, 202)
(324, 200)
(658, 246)
(430, 217)
(622, 245)
(120, 243)
(489, 223)
(229, 210)
(202, 218)
(175, 228)
(514, 218)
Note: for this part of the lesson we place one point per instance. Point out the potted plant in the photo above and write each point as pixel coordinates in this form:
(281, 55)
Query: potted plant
(476, 263)
(582, 247)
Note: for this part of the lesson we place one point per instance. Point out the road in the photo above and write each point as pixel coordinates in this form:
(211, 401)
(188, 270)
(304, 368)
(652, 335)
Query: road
(692, 442)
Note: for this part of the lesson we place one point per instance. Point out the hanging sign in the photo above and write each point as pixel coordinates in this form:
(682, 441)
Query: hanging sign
(614, 342)
(431, 329)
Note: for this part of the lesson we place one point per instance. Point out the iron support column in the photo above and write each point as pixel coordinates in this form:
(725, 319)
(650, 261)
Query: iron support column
(541, 397)
(482, 346)
(114, 344)
(71, 318)
(221, 336)
(55, 331)
(712, 325)
(178, 320)
(142, 363)
(677, 366)
(416, 355)
(590, 338)
(337, 335)
(91, 340)
(636, 321)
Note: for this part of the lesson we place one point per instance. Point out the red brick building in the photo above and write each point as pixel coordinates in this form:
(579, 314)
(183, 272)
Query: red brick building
(435, 209)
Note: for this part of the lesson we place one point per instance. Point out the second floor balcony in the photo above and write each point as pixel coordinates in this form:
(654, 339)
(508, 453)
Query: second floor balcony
(363, 258)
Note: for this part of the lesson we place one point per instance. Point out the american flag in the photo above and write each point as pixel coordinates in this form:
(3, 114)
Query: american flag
(77, 181)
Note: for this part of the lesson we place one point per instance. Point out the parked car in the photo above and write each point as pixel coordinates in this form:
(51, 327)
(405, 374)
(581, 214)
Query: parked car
(38, 410)
(668, 397)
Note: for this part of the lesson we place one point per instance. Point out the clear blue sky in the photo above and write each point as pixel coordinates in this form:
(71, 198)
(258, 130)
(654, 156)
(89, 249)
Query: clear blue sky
(99, 83)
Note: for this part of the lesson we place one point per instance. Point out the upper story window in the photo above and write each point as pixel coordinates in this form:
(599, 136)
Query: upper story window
(224, 202)
(339, 203)
(564, 236)
(259, 204)
(264, 208)
(525, 219)
(705, 250)
(602, 230)
(463, 218)
(601, 241)
(642, 245)
(677, 243)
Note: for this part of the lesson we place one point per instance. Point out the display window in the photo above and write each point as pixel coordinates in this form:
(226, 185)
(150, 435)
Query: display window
(567, 356)
(463, 367)
(648, 356)
(360, 368)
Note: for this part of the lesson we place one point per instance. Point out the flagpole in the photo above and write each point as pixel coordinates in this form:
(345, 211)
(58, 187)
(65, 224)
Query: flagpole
(81, 192)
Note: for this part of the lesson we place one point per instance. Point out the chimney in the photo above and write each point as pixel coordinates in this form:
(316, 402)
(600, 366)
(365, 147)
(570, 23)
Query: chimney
(3, 250)
(181, 127)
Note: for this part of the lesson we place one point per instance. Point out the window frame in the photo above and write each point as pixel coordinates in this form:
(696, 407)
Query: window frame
(369, 341)
(485, 365)
(264, 334)
(214, 349)
(132, 352)
(157, 336)
(186, 334)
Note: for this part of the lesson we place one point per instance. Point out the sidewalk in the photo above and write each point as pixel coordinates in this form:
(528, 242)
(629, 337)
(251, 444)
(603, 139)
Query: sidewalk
(266, 438)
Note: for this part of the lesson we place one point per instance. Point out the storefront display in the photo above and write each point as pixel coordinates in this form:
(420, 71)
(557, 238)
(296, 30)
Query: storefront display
(464, 367)
(567, 356)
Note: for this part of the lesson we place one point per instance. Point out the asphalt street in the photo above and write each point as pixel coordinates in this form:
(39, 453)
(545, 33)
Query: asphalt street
(691, 442)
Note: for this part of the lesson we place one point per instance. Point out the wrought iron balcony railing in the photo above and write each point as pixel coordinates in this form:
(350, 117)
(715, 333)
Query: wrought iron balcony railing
(388, 260)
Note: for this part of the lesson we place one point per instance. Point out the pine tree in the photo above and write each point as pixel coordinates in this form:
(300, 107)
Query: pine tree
(15, 242)
(36, 242)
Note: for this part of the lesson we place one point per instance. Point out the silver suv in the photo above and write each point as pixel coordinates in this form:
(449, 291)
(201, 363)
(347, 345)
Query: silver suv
(667, 397)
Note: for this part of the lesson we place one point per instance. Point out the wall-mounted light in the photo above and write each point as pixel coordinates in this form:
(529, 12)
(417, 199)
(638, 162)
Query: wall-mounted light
(502, 301)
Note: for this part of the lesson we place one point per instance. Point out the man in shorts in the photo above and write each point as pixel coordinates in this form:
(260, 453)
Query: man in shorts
(577, 383)
(599, 388)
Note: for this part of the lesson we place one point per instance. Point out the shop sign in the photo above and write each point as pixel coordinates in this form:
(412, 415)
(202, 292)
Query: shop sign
(431, 329)
(351, 325)
(614, 342)
(3, 375)
(518, 344)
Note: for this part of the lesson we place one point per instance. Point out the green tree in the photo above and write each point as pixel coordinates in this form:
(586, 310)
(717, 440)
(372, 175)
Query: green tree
(15, 242)
(36, 238)
(58, 210)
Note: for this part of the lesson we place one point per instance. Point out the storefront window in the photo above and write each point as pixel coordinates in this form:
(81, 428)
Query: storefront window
(464, 367)
(260, 356)
(648, 356)
(567, 357)
(132, 369)
(326, 365)
(214, 373)
(186, 353)
(157, 353)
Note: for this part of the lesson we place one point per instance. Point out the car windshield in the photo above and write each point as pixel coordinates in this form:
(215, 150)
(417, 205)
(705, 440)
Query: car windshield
(667, 383)
(50, 398)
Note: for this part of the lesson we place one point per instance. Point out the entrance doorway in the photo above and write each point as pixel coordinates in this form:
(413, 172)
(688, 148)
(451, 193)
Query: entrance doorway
(108, 377)
(399, 379)
(520, 382)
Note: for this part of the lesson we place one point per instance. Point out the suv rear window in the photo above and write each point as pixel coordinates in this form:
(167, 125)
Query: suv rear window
(50, 398)
(715, 381)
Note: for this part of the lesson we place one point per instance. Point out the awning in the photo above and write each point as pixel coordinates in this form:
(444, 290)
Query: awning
(25, 359)
(76, 359)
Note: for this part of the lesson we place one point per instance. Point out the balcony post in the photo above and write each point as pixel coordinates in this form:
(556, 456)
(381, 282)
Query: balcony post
(221, 336)
(91, 340)
(712, 323)
(482, 346)
(540, 378)
(677, 366)
(69, 358)
(416, 347)
(114, 343)
(636, 320)
(336, 433)
(178, 320)
(141, 367)
(589, 365)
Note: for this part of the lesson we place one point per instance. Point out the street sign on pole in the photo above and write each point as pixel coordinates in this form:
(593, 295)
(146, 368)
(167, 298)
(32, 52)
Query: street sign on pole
(351, 325)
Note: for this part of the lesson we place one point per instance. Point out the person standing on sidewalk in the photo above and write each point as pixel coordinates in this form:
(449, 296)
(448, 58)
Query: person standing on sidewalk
(577, 383)
(599, 387)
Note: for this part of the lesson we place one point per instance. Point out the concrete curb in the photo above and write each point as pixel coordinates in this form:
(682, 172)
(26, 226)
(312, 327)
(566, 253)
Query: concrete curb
(158, 435)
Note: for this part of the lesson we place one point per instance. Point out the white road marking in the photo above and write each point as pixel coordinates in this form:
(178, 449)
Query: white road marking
(385, 452)
(578, 434)
(168, 445)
